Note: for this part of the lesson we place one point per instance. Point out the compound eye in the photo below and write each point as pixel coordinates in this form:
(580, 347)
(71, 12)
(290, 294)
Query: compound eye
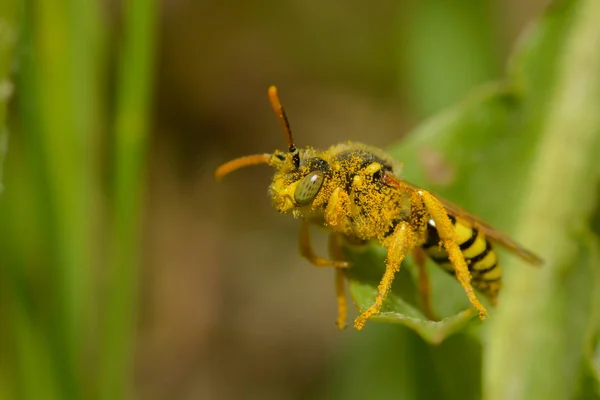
(308, 187)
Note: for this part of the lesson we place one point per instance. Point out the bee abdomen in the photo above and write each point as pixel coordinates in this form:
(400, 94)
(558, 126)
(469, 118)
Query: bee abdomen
(481, 258)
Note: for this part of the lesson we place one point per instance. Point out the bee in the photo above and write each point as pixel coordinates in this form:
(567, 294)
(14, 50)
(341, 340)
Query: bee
(355, 191)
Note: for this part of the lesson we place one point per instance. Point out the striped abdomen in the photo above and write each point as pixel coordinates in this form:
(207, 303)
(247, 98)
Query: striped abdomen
(481, 258)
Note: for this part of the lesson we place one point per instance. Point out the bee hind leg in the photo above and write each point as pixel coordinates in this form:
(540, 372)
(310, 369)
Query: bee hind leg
(398, 244)
(447, 233)
(337, 261)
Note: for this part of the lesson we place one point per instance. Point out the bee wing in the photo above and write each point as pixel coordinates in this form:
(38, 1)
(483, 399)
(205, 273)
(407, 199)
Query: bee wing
(494, 234)
(455, 210)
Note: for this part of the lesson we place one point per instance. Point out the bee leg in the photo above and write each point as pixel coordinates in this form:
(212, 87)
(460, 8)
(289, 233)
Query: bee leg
(421, 260)
(307, 252)
(337, 210)
(336, 252)
(402, 240)
(447, 233)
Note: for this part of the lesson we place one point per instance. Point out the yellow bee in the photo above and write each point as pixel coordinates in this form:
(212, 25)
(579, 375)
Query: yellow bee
(355, 192)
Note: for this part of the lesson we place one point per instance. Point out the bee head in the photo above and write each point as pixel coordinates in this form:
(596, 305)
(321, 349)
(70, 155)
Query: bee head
(294, 184)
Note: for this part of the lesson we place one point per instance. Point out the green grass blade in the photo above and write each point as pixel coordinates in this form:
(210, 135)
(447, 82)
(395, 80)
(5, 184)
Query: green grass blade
(56, 120)
(64, 83)
(131, 131)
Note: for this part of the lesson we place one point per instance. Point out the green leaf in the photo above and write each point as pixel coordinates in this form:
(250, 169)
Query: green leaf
(456, 35)
(403, 313)
(393, 362)
(401, 305)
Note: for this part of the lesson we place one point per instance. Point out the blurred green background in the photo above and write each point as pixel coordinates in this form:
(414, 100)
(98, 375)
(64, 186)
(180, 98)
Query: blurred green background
(127, 272)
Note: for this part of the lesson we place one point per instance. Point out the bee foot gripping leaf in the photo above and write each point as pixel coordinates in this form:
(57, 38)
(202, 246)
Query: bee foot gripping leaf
(398, 311)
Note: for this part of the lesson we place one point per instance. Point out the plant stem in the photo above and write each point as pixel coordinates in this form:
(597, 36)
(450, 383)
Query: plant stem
(529, 336)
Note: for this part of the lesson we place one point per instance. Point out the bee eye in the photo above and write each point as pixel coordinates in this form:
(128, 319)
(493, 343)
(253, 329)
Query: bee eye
(308, 187)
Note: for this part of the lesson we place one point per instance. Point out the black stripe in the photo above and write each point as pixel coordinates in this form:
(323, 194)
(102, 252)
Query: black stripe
(481, 256)
(470, 241)
(433, 239)
(491, 280)
(445, 259)
(485, 271)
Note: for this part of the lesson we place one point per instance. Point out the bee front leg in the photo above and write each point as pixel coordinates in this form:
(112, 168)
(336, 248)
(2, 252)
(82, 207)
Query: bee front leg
(307, 251)
(447, 233)
(402, 240)
(336, 217)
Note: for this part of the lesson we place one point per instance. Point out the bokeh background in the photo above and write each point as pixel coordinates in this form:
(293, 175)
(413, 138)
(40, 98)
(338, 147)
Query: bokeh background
(226, 308)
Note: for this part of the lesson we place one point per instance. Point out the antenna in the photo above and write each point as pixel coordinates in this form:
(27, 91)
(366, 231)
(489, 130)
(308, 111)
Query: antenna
(280, 113)
(241, 162)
